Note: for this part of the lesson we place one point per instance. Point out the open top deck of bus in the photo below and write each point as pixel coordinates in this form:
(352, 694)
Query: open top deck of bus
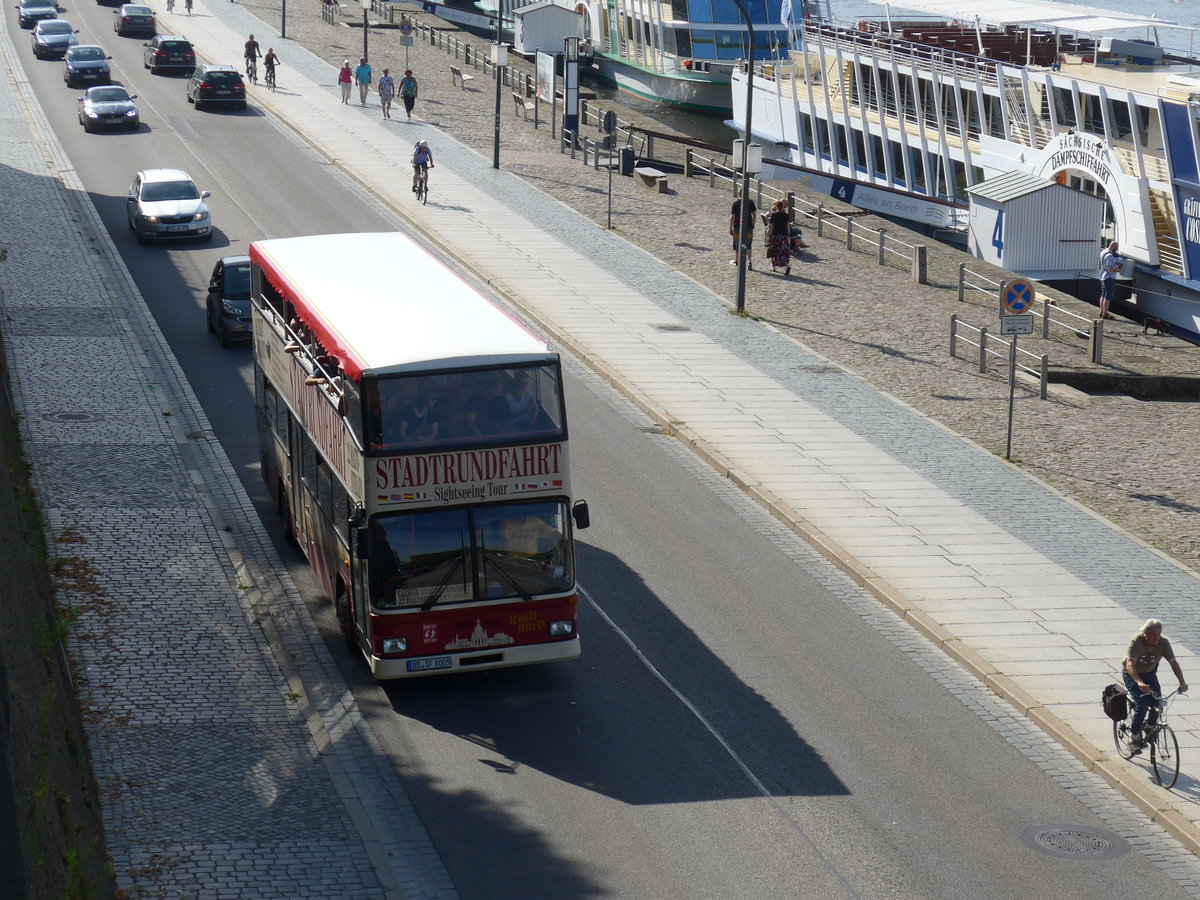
(390, 306)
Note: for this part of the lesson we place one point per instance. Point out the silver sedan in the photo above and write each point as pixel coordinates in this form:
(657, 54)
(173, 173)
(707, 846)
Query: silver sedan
(165, 203)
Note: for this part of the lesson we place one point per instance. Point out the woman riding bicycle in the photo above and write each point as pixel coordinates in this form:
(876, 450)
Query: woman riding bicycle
(1146, 649)
(270, 61)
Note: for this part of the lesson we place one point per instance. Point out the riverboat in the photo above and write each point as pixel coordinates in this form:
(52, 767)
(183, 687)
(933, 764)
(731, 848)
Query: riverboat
(929, 120)
(680, 53)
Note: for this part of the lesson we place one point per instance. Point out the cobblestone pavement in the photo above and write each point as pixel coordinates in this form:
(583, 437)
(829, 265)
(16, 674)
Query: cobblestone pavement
(1129, 460)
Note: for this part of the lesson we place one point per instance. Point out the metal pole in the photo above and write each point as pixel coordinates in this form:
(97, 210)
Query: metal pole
(283, 21)
(744, 206)
(610, 168)
(366, 31)
(1012, 389)
(496, 141)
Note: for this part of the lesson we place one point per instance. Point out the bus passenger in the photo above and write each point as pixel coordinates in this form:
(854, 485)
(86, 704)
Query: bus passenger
(418, 422)
(487, 411)
(522, 405)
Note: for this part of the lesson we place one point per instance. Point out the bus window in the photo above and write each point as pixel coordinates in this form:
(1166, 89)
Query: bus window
(420, 559)
(524, 548)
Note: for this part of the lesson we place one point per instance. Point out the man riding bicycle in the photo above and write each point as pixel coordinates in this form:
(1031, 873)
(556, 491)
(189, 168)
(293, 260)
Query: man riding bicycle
(251, 54)
(270, 61)
(422, 158)
(1146, 649)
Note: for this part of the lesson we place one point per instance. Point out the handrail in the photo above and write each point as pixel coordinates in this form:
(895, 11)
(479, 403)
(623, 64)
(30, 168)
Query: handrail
(984, 344)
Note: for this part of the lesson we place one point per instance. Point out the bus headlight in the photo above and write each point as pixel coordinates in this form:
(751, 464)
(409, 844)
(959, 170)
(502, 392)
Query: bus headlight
(395, 645)
(562, 628)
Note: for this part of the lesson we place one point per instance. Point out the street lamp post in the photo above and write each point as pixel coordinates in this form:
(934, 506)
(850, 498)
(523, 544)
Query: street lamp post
(499, 61)
(283, 21)
(366, 6)
(744, 206)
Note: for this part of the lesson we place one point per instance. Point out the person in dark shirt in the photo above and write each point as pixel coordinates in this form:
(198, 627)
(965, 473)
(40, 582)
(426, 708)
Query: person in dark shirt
(487, 411)
(419, 423)
(742, 240)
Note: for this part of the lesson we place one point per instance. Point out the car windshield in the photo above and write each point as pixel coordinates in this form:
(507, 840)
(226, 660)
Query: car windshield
(477, 553)
(237, 282)
(37, 4)
(169, 190)
(54, 28)
(86, 54)
(107, 95)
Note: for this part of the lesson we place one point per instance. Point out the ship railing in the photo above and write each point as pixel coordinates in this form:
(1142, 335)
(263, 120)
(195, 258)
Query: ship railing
(991, 347)
(1050, 320)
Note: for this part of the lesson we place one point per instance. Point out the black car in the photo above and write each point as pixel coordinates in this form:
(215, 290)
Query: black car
(30, 12)
(229, 299)
(134, 18)
(86, 64)
(108, 106)
(216, 84)
(167, 51)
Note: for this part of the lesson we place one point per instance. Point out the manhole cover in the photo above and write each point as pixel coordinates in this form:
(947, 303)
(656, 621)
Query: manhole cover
(672, 328)
(73, 417)
(1073, 841)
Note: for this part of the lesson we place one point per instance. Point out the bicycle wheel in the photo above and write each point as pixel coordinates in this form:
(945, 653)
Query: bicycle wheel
(1121, 737)
(422, 189)
(1164, 756)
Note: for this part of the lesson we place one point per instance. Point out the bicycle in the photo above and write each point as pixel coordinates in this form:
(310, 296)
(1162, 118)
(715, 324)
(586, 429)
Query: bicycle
(423, 184)
(269, 77)
(251, 70)
(1157, 735)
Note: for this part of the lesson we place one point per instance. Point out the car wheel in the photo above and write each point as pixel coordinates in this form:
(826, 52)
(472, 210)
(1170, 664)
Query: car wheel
(222, 335)
(208, 318)
(208, 237)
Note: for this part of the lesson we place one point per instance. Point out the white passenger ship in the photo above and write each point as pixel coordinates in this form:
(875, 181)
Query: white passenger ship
(918, 119)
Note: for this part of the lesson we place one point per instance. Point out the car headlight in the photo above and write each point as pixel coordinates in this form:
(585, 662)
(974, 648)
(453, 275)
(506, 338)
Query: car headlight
(130, 113)
(91, 114)
(395, 645)
(562, 628)
(230, 308)
(151, 219)
(200, 216)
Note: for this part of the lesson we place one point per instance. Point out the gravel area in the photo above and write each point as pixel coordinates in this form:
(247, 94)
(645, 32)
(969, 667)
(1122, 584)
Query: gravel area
(1130, 460)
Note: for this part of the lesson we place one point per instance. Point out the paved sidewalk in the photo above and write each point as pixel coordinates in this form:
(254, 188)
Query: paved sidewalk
(1033, 593)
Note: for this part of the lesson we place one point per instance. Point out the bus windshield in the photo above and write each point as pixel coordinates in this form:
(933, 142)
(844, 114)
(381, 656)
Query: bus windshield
(435, 557)
(407, 413)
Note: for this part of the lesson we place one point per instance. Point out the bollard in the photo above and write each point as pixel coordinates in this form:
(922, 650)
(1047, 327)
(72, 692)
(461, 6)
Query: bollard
(962, 280)
(650, 146)
(790, 200)
(820, 220)
(1096, 342)
(849, 233)
(1045, 319)
(954, 336)
(1045, 381)
(687, 162)
(983, 349)
(920, 264)
(882, 238)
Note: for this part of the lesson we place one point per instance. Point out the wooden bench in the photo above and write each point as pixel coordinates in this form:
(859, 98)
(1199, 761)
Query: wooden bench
(651, 178)
(524, 106)
(457, 74)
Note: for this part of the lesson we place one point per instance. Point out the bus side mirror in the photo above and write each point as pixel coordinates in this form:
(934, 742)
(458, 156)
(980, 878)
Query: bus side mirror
(580, 513)
(362, 543)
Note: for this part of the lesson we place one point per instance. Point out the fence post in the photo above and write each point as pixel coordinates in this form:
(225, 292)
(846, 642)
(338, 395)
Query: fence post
(1096, 342)
(920, 268)
(881, 250)
(650, 146)
(1045, 319)
(687, 162)
(962, 280)
(573, 141)
(1042, 391)
(954, 335)
(983, 349)
(820, 220)
(790, 199)
(849, 233)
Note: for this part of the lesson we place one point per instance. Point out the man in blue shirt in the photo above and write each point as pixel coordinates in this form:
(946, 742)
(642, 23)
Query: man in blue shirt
(362, 75)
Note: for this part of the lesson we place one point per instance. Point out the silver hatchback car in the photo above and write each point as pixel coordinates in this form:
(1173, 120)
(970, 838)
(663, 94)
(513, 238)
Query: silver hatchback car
(165, 203)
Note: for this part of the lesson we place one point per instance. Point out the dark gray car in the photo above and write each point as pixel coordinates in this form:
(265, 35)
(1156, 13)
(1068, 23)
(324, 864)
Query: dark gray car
(108, 106)
(134, 18)
(86, 64)
(30, 12)
(229, 299)
(168, 52)
(52, 38)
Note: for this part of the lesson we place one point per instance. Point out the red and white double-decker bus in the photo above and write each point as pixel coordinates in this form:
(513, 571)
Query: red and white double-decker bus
(414, 436)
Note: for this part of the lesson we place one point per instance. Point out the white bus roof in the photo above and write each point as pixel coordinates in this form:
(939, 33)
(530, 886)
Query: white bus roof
(380, 302)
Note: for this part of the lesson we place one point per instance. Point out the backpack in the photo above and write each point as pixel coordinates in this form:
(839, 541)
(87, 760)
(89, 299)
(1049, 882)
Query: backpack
(1115, 700)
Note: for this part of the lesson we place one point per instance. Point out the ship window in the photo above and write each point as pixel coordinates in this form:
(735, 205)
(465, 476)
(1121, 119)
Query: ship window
(1118, 116)
(731, 44)
(916, 169)
(678, 41)
(704, 44)
(860, 151)
(840, 136)
(877, 153)
(679, 10)
(700, 10)
(808, 132)
(1064, 107)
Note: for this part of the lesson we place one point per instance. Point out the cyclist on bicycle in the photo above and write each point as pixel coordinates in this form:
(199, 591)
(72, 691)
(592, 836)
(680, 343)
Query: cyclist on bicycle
(270, 61)
(251, 53)
(1146, 649)
(422, 158)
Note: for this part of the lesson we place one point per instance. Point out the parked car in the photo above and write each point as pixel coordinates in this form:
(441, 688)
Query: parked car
(167, 51)
(165, 203)
(52, 37)
(229, 299)
(108, 106)
(86, 64)
(216, 84)
(30, 12)
(133, 18)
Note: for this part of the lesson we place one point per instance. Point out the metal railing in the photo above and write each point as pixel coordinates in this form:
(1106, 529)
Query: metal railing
(1044, 309)
(986, 342)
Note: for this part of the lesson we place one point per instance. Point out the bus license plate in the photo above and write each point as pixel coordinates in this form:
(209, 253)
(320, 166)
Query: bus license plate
(426, 665)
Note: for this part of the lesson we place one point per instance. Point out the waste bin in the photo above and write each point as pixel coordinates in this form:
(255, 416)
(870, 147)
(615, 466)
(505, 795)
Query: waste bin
(626, 162)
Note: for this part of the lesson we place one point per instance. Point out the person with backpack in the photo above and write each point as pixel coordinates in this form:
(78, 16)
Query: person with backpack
(1146, 650)
(408, 91)
(1110, 265)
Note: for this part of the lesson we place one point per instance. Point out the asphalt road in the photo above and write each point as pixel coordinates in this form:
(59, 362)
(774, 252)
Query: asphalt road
(737, 727)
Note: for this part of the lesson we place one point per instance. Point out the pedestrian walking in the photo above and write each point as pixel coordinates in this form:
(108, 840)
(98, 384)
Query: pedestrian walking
(345, 79)
(1110, 265)
(387, 87)
(779, 238)
(408, 91)
(743, 242)
(362, 75)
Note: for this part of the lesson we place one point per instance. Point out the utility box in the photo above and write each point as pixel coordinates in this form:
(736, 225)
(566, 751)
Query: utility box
(625, 165)
(1036, 227)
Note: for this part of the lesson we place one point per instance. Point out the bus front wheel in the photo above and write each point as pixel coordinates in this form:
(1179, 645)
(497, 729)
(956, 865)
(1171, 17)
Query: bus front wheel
(345, 617)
